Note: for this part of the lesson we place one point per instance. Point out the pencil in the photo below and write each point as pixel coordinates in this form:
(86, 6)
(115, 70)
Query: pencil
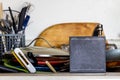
(50, 66)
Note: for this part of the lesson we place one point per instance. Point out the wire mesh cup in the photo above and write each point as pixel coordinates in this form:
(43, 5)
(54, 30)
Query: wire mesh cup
(11, 41)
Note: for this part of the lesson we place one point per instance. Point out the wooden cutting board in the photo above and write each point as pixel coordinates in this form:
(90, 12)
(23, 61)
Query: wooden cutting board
(59, 34)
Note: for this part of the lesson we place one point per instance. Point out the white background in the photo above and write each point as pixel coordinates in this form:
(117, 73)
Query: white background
(50, 12)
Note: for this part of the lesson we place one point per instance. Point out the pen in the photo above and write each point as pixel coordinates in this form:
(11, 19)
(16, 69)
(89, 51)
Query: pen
(21, 18)
(26, 20)
(14, 25)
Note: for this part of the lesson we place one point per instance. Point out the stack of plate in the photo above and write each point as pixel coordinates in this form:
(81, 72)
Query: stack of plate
(59, 59)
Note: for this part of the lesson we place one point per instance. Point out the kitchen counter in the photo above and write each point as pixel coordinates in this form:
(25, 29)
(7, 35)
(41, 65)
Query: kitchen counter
(59, 76)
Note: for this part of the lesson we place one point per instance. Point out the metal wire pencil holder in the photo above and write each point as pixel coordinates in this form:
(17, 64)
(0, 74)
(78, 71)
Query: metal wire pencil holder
(11, 41)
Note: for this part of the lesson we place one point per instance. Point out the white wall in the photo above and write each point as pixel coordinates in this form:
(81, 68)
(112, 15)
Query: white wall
(49, 12)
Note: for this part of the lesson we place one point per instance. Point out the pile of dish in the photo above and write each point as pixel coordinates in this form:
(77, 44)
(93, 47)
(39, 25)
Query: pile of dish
(39, 56)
